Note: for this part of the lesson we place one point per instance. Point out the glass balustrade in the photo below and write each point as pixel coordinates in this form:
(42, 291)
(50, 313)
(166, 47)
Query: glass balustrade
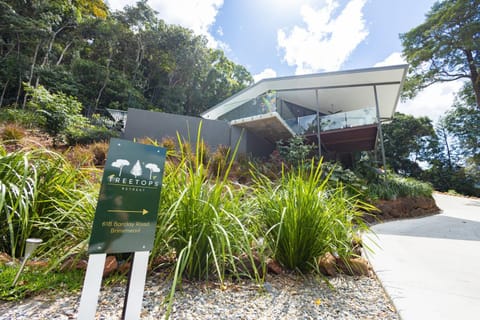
(341, 120)
(262, 104)
(267, 103)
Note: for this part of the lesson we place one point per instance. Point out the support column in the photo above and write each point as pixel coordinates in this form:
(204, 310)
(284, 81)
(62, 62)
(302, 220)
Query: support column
(379, 126)
(318, 126)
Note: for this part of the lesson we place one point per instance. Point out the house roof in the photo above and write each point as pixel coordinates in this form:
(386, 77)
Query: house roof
(339, 91)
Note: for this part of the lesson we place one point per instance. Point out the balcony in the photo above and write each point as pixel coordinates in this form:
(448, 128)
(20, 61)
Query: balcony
(342, 120)
(268, 117)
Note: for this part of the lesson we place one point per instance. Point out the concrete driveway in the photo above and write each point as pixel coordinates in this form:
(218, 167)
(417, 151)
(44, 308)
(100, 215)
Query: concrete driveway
(430, 267)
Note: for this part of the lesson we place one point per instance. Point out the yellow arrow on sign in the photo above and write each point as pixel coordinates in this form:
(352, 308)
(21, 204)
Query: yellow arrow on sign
(143, 211)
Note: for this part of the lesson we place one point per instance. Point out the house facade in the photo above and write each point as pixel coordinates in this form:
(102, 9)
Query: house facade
(341, 112)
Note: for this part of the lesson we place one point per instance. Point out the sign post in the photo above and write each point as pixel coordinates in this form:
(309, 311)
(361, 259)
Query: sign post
(125, 220)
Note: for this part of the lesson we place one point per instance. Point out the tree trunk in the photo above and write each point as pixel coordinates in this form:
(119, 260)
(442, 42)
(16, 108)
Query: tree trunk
(3, 93)
(107, 76)
(50, 45)
(474, 76)
(63, 53)
(445, 138)
(30, 76)
(19, 73)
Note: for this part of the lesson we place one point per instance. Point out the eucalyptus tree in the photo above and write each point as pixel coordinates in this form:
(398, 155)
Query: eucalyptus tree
(446, 47)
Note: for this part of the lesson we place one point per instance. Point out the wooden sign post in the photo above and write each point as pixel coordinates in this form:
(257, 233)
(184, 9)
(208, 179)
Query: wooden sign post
(125, 221)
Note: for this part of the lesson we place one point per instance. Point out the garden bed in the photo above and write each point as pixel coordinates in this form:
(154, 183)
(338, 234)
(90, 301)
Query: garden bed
(402, 208)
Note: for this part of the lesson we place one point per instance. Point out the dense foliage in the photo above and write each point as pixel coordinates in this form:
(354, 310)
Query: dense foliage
(408, 140)
(109, 59)
(443, 48)
(445, 155)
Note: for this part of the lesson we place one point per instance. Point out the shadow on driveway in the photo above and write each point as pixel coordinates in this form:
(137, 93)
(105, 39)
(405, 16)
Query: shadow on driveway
(439, 226)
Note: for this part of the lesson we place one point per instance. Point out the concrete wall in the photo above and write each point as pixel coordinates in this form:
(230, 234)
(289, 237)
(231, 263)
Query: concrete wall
(157, 125)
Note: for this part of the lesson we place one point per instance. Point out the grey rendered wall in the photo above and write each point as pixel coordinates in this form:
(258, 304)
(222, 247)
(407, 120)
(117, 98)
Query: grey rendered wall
(142, 123)
(157, 125)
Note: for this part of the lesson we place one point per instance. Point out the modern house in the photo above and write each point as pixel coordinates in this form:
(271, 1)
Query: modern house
(340, 111)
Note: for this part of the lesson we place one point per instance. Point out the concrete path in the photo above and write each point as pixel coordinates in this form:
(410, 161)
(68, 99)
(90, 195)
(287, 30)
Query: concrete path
(430, 267)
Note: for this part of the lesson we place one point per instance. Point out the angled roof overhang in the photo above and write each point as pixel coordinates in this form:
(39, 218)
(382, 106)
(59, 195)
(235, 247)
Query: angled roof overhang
(337, 91)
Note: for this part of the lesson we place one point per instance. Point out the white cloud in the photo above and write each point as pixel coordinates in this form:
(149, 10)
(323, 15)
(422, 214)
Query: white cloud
(393, 59)
(432, 101)
(265, 74)
(326, 41)
(197, 15)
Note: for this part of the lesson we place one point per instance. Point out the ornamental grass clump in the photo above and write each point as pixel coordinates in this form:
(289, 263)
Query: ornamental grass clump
(205, 214)
(204, 219)
(303, 217)
(42, 195)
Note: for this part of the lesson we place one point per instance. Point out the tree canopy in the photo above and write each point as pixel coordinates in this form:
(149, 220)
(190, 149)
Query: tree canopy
(127, 58)
(446, 47)
(408, 140)
(462, 123)
(446, 155)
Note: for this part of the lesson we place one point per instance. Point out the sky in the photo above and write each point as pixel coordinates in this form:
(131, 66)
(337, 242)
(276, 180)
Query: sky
(274, 38)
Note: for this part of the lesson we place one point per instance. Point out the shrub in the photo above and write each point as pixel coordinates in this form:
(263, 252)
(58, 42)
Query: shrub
(87, 156)
(207, 220)
(303, 218)
(295, 151)
(25, 118)
(169, 144)
(353, 184)
(392, 186)
(12, 133)
(58, 111)
(99, 151)
(88, 134)
(79, 156)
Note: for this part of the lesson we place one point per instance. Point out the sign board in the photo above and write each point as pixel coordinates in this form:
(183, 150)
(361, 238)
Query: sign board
(126, 215)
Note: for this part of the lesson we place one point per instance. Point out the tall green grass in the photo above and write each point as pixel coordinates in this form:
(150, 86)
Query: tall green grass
(208, 213)
(303, 217)
(42, 195)
(203, 217)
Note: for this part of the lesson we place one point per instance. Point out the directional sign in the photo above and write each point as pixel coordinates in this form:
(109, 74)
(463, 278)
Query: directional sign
(126, 214)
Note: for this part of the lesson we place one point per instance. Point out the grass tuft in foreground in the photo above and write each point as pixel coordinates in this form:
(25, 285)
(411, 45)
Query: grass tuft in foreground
(303, 218)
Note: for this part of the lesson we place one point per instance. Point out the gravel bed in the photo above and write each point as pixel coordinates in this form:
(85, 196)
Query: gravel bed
(281, 297)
